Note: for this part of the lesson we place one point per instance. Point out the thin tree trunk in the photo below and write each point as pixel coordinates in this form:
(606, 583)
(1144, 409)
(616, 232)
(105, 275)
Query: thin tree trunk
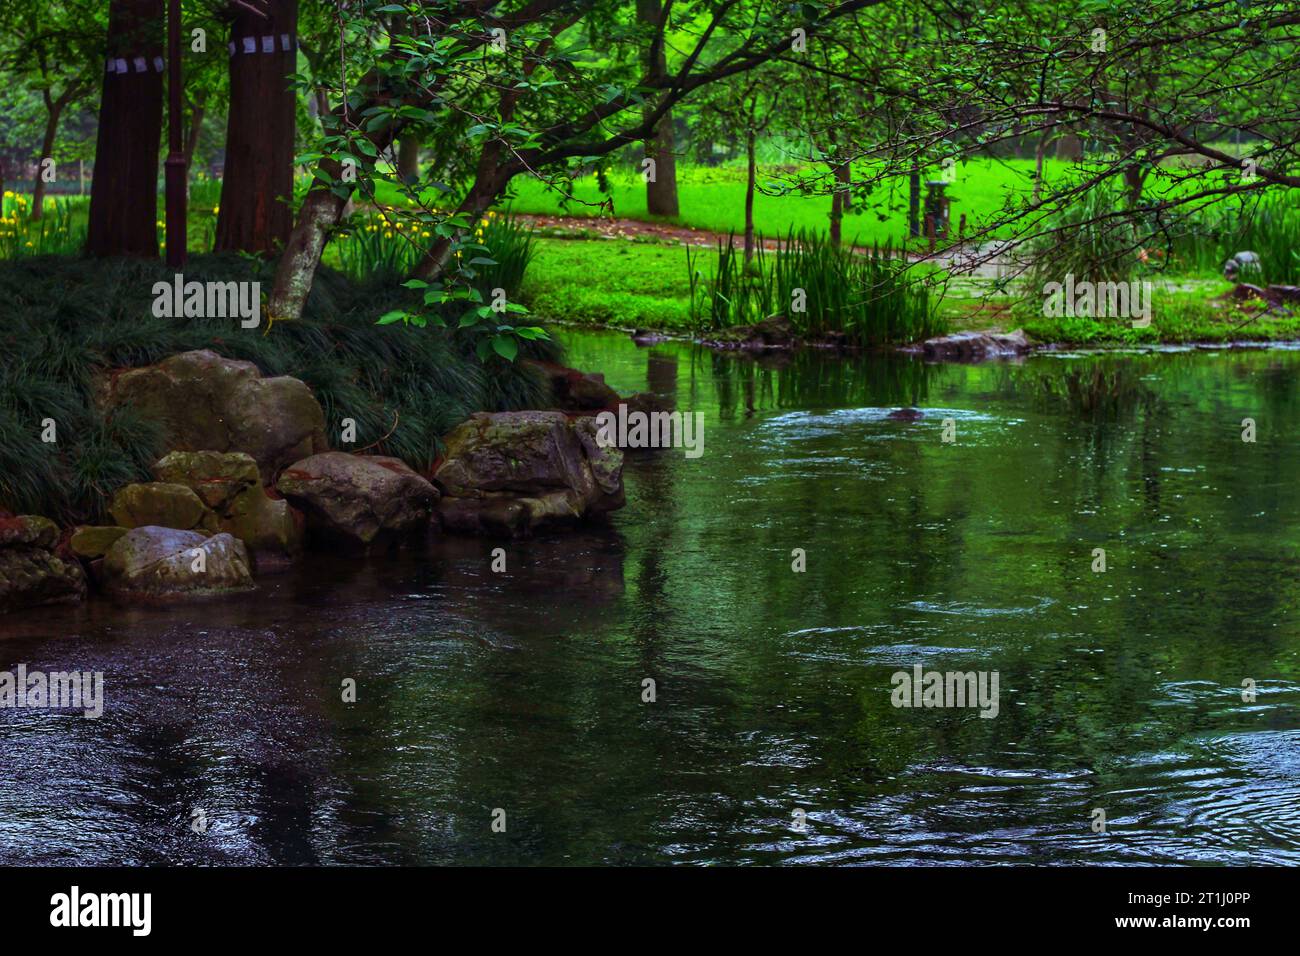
(750, 176)
(257, 187)
(661, 146)
(488, 184)
(197, 113)
(408, 160)
(837, 208)
(54, 109)
(320, 213)
(124, 192)
(1039, 155)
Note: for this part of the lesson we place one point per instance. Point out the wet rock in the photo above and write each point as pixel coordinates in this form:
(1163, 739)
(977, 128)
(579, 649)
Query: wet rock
(93, 541)
(575, 391)
(510, 473)
(31, 531)
(774, 332)
(362, 499)
(974, 346)
(229, 484)
(216, 477)
(157, 503)
(648, 337)
(31, 573)
(210, 403)
(153, 564)
(906, 415)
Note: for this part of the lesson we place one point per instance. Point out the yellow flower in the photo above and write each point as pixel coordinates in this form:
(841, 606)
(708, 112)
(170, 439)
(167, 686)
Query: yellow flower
(215, 210)
(9, 194)
(424, 235)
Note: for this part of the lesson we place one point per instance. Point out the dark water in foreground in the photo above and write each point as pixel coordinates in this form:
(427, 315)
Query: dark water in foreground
(1119, 691)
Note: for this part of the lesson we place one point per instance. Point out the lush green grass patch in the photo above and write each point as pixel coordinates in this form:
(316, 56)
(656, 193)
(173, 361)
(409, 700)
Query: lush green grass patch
(609, 282)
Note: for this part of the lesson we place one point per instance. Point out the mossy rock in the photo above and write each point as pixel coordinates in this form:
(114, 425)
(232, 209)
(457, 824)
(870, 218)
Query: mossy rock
(159, 503)
(217, 477)
(93, 541)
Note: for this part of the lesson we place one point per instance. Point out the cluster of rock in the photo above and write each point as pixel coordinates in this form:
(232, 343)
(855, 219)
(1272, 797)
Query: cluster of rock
(250, 482)
(32, 572)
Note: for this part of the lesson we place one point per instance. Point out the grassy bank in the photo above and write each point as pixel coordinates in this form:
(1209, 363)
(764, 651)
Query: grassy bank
(67, 321)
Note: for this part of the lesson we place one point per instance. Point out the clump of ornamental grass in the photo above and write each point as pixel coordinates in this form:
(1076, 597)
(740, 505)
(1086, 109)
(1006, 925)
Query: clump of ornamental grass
(68, 323)
(869, 297)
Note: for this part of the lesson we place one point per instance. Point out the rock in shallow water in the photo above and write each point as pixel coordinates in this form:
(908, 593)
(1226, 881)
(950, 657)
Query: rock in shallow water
(509, 473)
(154, 564)
(31, 574)
(974, 346)
(361, 499)
(230, 486)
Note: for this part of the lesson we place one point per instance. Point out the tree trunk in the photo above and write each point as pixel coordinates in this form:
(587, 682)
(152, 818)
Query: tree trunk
(1039, 153)
(661, 146)
(54, 110)
(750, 176)
(197, 114)
(487, 186)
(408, 160)
(837, 204)
(844, 180)
(319, 214)
(257, 187)
(124, 193)
(914, 202)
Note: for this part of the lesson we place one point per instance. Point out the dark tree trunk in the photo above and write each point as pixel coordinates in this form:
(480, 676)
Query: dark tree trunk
(914, 202)
(257, 187)
(124, 193)
(488, 185)
(751, 174)
(661, 189)
(839, 200)
(408, 160)
(54, 109)
(197, 114)
(844, 181)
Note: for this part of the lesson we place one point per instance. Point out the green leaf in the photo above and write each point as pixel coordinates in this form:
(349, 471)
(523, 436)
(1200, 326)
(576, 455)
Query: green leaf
(505, 346)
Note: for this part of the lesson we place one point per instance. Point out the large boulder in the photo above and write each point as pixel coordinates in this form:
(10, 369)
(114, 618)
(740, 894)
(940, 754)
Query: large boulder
(211, 403)
(510, 473)
(365, 500)
(159, 503)
(163, 564)
(31, 573)
(236, 502)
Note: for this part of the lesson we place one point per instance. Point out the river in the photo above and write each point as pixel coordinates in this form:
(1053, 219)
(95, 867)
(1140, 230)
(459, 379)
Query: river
(1161, 691)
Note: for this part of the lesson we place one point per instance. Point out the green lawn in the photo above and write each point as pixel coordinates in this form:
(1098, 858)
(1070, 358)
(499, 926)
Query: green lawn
(610, 282)
(713, 198)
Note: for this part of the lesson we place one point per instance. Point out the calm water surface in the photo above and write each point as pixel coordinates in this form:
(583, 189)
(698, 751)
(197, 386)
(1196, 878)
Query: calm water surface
(1120, 691)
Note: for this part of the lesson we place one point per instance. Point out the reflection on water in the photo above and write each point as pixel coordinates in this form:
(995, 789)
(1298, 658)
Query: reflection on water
(1120, 691)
